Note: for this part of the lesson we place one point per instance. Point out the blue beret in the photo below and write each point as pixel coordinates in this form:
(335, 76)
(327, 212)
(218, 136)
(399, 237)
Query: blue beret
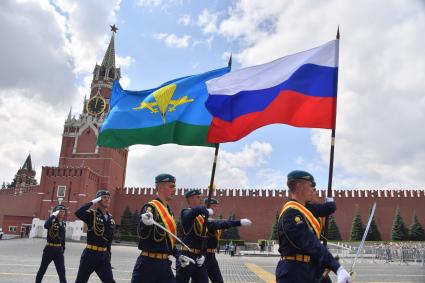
(193, 192)
(162, 178)
(301, 175)
(59, 207)
(102, 193)
(212, 201)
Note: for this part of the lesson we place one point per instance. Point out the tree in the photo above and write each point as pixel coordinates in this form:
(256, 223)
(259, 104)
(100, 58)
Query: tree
(274, 235)
(356, 227)
(126, 220)
(13, 184)
(399, 231)
(373, 233)
(231, 233)
(134, 223)
(3, 186)
(333, 230)
(416, 232)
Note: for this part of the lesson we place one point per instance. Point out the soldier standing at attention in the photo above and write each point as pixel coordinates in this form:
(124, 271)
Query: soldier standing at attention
(300, 248)
(95, 257)
(55, 245)
(192, 220)
(215, 228)
(153, 264)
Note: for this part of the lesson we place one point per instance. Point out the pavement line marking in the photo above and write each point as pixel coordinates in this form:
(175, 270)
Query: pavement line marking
(261, 273)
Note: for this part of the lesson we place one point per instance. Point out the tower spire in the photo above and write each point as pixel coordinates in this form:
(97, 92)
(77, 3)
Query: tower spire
(28, 164)
(69, 115)
(109, 58)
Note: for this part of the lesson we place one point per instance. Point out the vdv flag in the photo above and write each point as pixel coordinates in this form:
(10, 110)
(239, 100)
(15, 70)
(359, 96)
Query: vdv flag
(298, 90)
(174, 112)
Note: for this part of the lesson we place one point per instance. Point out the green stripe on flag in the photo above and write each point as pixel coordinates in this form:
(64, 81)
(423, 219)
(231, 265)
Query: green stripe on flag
(174, 132)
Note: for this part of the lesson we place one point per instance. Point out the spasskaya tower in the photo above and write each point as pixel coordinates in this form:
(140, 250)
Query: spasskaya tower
(83, 166)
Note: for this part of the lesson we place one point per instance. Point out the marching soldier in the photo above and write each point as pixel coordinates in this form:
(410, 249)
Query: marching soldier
(100, 225)
(300, 248)
(55, 245)
(321, 211)
(215, 229)
(192, 220)
(156, 245)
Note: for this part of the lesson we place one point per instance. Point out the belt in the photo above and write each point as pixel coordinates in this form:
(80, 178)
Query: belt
(194, 251)
(297, 257)
(198, 251)
(96, 248)
(155, 255)
(53, 245)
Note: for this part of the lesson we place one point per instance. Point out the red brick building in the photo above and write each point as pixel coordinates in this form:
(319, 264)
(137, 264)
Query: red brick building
(83, 168)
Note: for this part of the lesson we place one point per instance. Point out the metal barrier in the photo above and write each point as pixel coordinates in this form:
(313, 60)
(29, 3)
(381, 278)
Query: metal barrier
(402, 253)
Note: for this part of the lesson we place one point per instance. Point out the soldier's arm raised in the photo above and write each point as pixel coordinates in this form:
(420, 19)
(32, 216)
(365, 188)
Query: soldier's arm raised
(83, 213)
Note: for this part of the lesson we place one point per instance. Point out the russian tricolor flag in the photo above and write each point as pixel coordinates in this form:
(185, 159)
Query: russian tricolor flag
(298, 90)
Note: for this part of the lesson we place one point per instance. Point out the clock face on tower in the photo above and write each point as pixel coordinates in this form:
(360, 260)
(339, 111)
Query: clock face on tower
(96, 105)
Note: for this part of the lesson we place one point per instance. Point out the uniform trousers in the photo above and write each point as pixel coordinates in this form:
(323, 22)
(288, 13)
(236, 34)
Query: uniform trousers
(49, 254)
(213, 269)
(289, 271)
(95, 261)
(151, 270)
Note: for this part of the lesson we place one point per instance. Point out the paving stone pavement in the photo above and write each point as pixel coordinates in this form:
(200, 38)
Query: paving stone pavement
(20, 260)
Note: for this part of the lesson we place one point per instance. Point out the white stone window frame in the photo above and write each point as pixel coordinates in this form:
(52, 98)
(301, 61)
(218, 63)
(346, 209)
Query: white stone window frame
(12, 228)
(61, 192)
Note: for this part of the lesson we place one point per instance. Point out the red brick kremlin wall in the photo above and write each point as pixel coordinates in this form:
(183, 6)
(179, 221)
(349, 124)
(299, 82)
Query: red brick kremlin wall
(260, 206)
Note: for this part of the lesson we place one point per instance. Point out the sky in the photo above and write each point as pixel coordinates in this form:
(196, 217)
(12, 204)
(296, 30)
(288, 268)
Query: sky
(49, 50)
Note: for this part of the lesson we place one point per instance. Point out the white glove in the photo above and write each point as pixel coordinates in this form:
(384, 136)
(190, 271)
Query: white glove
(96, 200)
(331, 199)
(55, 214)
(147, 218)
(200, 261)
(185, 261)
(246, 222)
(210, 211)
(343, 275)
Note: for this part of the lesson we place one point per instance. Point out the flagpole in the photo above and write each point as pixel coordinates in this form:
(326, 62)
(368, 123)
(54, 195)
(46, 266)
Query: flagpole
(331, 161)
(210, 190)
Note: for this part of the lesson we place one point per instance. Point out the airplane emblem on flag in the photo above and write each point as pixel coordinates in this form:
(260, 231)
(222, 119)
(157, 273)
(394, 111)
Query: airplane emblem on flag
(163, 101)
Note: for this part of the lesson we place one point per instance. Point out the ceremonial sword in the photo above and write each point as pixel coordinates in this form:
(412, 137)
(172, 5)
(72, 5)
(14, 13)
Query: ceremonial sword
(360, 248)
(169, 232)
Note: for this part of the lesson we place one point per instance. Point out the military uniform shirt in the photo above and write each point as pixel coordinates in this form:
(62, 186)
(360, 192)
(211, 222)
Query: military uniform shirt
(55, 231)
(191, 227)
(153, 238)
(99, 230)
(295, 237)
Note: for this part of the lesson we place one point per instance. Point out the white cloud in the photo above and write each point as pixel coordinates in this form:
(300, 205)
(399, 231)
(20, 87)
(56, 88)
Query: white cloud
(86, 25)
(271, 179)
(153, 3)
(208, 21)
(192, 165)
(31, 126)
(185, 20)
(164, 5)
(381, 105)
(49, 48)
(34, 50)
(123, 61)
(172, 40)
